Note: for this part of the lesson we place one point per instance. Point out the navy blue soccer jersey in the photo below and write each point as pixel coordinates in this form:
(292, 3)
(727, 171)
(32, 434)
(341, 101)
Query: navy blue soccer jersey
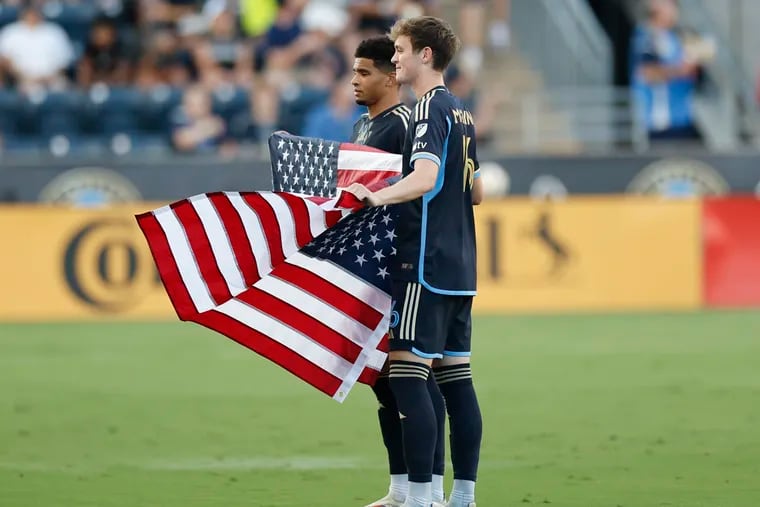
(386, 131)
(436, 232)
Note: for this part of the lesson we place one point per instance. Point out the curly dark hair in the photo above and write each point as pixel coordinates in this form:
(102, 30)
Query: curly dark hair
(380, 50)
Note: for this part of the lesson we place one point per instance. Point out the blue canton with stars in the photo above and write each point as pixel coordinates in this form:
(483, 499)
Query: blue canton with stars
(304, 165)
(361, 243)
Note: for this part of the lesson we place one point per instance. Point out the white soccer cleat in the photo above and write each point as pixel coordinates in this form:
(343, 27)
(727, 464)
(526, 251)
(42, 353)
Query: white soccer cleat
(387, 501)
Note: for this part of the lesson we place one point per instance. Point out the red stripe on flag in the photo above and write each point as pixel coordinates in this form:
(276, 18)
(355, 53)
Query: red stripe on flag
(300, 217)
(301, 322)
(233, 225)
(329, 293)
(332, 218)
(366, 178)
(269, 224)
(167, 266)
(359, 147)
(201, 247)
(271, 349)
(368, 376)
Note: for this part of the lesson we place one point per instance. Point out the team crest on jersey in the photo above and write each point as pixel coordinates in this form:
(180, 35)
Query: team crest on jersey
(421, 129)
(364, 132)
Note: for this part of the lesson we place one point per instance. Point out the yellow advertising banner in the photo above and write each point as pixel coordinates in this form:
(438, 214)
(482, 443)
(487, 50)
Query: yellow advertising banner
(591, 253)
(581, 254)
(75, 264)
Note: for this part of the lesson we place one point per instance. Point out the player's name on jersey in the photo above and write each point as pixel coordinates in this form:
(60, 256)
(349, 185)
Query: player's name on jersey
(462, 116)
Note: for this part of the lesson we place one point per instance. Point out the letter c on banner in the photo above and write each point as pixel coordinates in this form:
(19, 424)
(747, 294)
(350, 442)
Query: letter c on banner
(104, 266)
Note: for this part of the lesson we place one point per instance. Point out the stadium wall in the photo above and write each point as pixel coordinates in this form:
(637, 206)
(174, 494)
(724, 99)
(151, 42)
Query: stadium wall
(582, 254)
(120, 180)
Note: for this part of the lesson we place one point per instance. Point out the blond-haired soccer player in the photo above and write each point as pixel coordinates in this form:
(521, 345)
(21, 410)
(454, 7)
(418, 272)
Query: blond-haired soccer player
(433, 272)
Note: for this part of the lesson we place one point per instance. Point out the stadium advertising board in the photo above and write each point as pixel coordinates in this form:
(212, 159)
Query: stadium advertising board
(581, 254)
(588, 254)
(732, 251)
(75, 264)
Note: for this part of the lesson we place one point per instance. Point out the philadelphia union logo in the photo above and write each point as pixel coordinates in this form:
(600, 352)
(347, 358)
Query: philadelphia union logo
(679, 177)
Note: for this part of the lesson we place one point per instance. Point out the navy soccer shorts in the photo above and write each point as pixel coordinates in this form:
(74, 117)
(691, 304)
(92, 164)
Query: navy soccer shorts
(428, 324)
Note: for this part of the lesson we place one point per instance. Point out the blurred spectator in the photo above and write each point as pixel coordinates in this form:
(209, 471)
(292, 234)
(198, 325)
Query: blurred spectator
(196, 128)
(475, 22)
(483, 106)
(34, 52)
(166, 61)
(105, 58)
(334, 119)
(256, 16)
(223, 57)
(228, 69)
(664, 73)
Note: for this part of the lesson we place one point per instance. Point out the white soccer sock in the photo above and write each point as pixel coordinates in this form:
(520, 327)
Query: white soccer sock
(438, 495)
(420, 495)
(462, 494)
(399, 487)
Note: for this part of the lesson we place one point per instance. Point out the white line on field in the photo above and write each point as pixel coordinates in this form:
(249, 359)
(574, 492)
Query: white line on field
(200, 464)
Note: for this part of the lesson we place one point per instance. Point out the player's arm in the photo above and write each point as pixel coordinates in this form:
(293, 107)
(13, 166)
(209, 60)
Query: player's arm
(477, 189)
(413, 186)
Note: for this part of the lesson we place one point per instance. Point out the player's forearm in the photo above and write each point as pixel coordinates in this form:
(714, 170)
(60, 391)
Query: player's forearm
(413, 186)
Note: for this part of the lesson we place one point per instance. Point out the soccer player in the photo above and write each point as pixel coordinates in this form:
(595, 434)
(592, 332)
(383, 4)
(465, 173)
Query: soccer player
(384, 127)
(433, 272)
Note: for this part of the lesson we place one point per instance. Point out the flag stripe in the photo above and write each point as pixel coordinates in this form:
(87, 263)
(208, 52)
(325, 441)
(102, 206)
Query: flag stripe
(268, 220)
(167, 266)
(346, 177)
(368, 162)
(375, 298)
(257, 238)
(238, 237)
(286, 221)
(302, 219)
(287, 336)
(283, 309)
(272, 350)
(200, 247)
(220, 244)
(183, 255)
(291, 286)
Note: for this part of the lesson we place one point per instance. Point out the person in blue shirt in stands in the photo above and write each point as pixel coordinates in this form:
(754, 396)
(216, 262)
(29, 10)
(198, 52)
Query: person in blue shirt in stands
(663, 75)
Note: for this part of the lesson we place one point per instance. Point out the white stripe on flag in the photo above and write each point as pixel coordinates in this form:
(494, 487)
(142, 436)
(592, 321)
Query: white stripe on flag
(287, 336)
(184, 259)
(369, 294)
(254, 232)
(368, 161)
(285, 220)
(317, 222)
(220, 243)
(344, 324)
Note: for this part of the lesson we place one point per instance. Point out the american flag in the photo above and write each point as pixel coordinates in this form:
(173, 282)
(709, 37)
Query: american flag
(321, 168)
(293, 277)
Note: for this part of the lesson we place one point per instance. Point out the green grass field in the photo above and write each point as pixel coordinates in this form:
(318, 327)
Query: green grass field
(579, 411)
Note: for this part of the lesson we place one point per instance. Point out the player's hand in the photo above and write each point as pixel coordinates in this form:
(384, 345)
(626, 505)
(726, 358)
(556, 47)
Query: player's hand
(364, 194)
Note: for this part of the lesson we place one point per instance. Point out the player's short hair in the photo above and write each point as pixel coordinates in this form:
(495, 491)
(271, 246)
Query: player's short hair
(380, 50)
(427, 31)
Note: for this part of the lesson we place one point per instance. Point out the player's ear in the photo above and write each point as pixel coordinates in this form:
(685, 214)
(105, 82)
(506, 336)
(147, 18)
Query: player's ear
(427, 54)
(390, 81)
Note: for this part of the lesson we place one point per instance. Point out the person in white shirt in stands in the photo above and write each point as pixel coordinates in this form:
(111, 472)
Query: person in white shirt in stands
(34, 52)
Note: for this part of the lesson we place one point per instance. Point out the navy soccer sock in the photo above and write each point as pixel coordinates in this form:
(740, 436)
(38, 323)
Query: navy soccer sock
(465, 422)
(408, 381)
(390, 425)
(439, 406)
